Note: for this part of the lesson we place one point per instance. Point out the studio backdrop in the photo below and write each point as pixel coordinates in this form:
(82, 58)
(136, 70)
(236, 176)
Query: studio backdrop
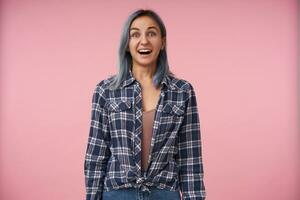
(241, 56)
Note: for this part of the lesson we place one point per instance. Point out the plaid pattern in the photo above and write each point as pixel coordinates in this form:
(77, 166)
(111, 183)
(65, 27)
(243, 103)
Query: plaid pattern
(113, 155)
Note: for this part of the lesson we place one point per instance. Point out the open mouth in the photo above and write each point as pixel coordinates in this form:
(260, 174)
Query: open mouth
(144, 51)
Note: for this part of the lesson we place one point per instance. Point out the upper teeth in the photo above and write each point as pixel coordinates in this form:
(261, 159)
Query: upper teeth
(144, 50)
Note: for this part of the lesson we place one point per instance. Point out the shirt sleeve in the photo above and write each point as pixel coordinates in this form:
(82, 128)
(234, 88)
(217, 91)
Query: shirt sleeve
(97, 152)
(189, 157)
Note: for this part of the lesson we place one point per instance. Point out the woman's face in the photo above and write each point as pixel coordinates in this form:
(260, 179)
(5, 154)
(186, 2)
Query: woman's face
(145, 35)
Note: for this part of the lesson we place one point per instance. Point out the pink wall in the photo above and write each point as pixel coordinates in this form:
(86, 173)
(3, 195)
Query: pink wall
(241, 56)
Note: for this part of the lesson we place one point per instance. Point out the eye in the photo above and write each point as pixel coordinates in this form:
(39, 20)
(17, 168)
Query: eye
(152, 33)
(134, 34)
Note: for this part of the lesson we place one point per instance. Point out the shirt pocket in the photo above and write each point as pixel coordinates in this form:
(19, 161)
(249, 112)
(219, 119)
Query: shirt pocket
(121, 121)
(119, 105)
(173, 109)
(170, 120)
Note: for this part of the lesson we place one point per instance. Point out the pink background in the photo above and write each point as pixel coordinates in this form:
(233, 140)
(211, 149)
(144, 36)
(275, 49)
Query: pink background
(241, 57)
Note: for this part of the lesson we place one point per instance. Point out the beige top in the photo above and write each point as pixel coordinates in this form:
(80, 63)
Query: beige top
(148, 119)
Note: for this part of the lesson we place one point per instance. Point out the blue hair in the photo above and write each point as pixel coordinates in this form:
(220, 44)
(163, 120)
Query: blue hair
(124, 57)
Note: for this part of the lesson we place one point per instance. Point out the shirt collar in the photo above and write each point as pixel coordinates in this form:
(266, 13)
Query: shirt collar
(130, 78)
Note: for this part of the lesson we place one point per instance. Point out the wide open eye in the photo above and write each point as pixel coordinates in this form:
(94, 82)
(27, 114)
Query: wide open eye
(152, 33)
(134, 34)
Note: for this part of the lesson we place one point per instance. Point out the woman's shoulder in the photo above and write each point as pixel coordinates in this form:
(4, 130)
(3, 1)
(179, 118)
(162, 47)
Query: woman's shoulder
(102, 86)
(175, 81)
(180, 83)
(106, 82)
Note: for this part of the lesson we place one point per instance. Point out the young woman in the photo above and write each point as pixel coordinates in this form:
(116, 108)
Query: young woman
(144, 140)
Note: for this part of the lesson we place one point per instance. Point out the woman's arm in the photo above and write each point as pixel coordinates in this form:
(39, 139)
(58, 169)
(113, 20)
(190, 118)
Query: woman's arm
(189, 156)
(97, 152)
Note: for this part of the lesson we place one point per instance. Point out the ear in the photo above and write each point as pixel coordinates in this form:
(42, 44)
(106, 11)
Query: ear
(163, 43)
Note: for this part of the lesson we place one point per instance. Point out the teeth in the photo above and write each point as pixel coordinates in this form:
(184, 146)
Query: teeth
(144, 50)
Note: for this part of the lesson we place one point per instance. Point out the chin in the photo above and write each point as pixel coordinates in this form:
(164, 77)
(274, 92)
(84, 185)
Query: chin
(144, 62)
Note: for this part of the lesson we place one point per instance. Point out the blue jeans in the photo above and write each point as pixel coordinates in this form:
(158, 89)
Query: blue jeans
(138, 194)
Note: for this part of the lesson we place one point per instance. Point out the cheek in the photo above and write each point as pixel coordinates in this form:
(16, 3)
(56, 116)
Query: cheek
(131, 43)
(130, 46)
(131, 49)
(157, 44)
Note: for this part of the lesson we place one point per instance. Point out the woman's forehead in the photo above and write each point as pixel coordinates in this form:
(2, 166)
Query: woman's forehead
(144, 22)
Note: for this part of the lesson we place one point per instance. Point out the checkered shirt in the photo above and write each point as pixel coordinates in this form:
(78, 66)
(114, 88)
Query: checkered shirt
(113, 154)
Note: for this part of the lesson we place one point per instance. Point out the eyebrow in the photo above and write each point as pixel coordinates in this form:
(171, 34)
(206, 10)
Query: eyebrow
(133, 28)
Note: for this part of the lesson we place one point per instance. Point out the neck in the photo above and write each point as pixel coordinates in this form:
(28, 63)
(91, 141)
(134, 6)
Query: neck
(143, 74)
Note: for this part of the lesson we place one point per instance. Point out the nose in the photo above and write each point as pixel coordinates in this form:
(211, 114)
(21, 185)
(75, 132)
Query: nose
(144, 39)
